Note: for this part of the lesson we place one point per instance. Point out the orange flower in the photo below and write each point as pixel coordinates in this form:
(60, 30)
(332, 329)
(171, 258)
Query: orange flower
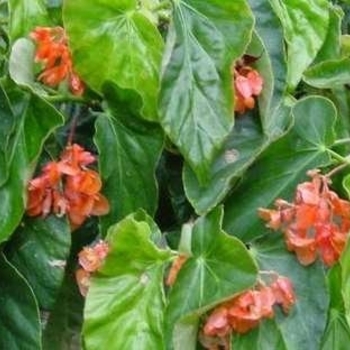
(90, 259)
(247, 84)
(315, 224)
(174, 269)
(53, 53)
(68, 187)
(246, 310)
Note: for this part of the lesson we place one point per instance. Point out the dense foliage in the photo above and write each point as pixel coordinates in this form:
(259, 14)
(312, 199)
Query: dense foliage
(174, 174)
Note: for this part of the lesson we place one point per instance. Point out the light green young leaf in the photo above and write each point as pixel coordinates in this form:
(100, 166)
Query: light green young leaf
(111, 40)
(196, 97)
(305, 24)
(125, 302)
(20, 327)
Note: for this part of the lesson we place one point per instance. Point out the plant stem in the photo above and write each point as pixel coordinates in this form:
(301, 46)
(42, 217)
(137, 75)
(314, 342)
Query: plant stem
(64, 98)
(342, 141)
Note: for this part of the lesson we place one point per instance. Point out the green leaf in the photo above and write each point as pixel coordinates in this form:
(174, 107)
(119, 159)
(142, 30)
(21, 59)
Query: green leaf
(220, 267)
(329, 74)
(196, 97)
(241, 149)
(271, 64)
(266, 336)
(35, 120)
(19, 314)
(25, 15)
(130, 45)
(125, 302)
(303, 327)
(8, 124)
(39, 250)
(305, 24)
(282, 166)
(345, 278)
(129, 180)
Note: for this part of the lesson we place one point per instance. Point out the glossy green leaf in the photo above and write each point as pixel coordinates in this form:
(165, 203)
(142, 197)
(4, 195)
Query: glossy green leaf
(128, 43)
(39, 250)
(19, 314)
(303, 327)
(220, 266)
(7, 130)
(125, 302)
(35, 120)
(282, 166)
(345, 278)
(329, 74)
(196, 96)
(135, 145)
(266, 336)
(305, 24)
(25, 15)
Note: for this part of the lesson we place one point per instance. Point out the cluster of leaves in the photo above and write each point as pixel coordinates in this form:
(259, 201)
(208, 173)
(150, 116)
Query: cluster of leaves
(183, 176)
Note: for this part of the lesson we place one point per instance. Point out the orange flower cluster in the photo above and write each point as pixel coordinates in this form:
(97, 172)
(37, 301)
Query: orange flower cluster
(315, 224)
(245, 311)
(54, 55)
(247, 84)
(174, 270)
(90, 260)
(68, 187)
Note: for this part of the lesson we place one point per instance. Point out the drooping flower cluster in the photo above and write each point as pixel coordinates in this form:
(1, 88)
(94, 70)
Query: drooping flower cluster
(90, 260)
(247, 85)
(53, 53)
(68, 187)
(246, 310)
(316, 224)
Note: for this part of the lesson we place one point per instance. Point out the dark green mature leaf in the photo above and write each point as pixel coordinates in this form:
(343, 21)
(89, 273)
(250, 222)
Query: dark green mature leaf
(329, 74)
(125, 302)
(25, 15)
(196, 96)
(35, 120)
(19, 314)
(135, 146)
(39, 251)
(266, 337)
(7, 130)
(220, 266)
(128, 43)
(282, 166)
(305, 24)
(303, 327)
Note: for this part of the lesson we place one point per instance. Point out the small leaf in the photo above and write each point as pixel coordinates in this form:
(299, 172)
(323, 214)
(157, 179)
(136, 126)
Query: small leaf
(329, 74)
(129, 180)
(39, 250)
(282, 166)
(126, 298)
(19, 313)
(25, 15)
(305, 24)
(196, 97)
(219, 268)
(129, 43)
